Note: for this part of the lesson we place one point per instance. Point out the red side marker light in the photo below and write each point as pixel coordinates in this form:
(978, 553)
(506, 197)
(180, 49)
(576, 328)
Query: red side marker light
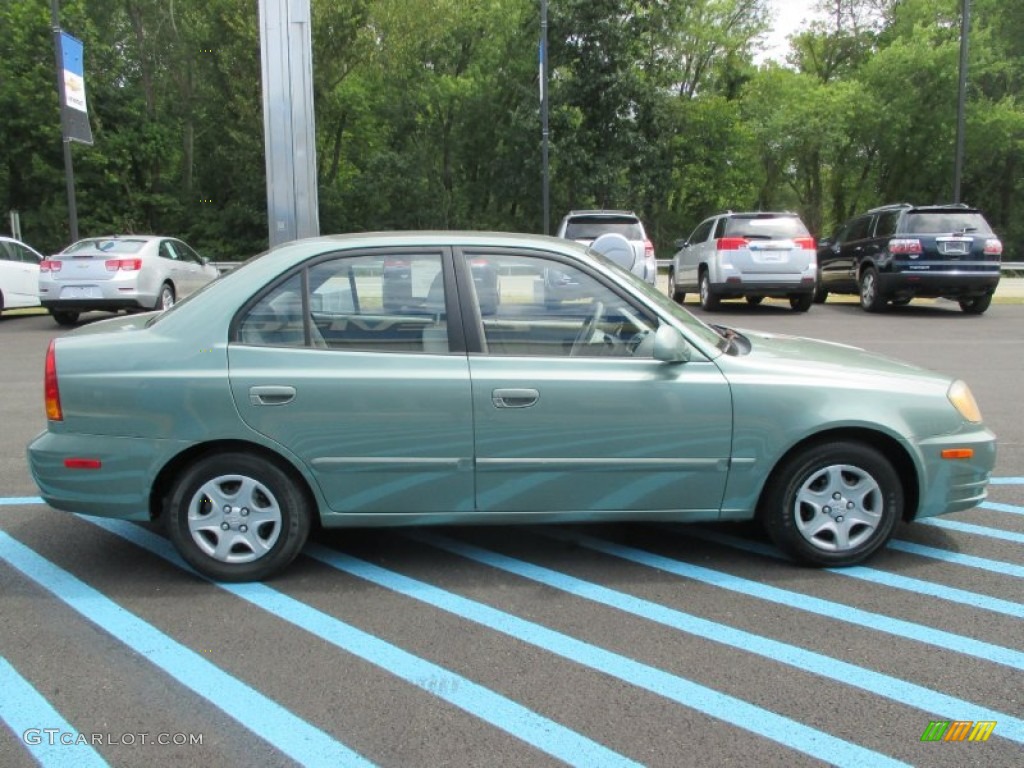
(83, 463)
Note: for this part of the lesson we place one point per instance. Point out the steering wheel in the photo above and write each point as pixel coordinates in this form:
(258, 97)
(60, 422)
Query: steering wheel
(587, 331)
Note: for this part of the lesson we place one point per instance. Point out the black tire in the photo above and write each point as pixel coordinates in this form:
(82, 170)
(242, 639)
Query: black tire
(820, 294)
(166, 298)
(902, 302)
(709, 302)
(976, 305)
(673, 290)
(754, 300)
(832, 504)
(210, 514)
(64, 317)
(802, 302)
(871, 298)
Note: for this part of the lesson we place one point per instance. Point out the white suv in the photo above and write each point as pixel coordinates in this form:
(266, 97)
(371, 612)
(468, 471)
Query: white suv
(586, 226)
(746, 255)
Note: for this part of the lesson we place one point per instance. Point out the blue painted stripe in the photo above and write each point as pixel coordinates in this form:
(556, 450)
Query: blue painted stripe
(874, 575)
(975, 530)
(832, 610)
(969, 561)
(18, 501)
(819, 664)
(26, 712)
(727, 708)
(483, 703)
(266, 718)
(1006, 481)
(1011, 508)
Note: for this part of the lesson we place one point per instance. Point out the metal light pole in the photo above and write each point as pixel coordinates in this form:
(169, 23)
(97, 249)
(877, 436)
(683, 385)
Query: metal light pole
(544, 113)
(958, 165)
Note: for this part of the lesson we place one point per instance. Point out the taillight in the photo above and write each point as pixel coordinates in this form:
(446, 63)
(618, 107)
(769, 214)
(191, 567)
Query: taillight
(993, 247)
(732, 243)
(806, 243)
(50, 265)
(904, 245)
(50, 387)
(125, 265)
(648, 249)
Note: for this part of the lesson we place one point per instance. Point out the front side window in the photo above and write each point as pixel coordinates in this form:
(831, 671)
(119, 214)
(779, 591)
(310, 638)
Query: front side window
(369, 303)
(701, 233)
(537, 306)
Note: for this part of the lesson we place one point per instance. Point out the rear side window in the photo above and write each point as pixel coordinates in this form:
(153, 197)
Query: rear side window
(765, 227)
(886, 224)
(940, 222)
(104, 247)
(592, 228)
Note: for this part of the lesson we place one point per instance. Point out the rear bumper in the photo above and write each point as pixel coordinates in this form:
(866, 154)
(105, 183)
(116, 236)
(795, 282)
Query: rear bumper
(88, 305)
(937, 284)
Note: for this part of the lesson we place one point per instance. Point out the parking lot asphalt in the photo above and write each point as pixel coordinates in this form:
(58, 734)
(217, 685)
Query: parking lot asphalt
(660, 645)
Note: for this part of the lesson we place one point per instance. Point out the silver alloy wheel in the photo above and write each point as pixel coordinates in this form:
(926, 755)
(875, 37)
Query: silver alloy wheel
(234, 519)
(838, 507)
(868, 290)
(166, 300)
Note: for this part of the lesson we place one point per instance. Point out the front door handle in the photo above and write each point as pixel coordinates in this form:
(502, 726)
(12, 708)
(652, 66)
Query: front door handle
(271, 395)
(514, 398)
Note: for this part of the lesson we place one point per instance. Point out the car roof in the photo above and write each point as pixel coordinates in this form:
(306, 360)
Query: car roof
(603, 212)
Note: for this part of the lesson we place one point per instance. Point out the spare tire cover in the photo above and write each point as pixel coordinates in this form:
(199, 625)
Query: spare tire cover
(615, 247)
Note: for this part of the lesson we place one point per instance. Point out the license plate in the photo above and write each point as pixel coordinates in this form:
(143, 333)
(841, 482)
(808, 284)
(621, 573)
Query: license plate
(79, 292)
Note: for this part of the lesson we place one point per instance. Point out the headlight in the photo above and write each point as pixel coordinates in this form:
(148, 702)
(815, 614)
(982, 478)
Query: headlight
(960, 396)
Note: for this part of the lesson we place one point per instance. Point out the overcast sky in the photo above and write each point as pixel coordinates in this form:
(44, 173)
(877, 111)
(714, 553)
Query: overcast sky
(788, 16)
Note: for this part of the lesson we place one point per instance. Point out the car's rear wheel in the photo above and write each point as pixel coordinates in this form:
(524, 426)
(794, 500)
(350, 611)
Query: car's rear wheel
(64, 317)
(871, 298)
(976, 305)
(801, 303)
(237, 517)
(833, 504)
(754, 300)
(708, 301)
(820, 294)
(166, 298)
(673, 290)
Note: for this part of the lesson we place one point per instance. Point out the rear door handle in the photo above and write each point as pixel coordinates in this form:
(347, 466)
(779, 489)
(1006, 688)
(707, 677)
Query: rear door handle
(514, 398)
(271, 394)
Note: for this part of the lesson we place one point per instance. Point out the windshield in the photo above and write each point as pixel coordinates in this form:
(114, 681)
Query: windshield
(104, 246)
(591, 229)
(765, 227)
(937, 222)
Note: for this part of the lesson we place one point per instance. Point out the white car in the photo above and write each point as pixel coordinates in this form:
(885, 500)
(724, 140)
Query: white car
(587, 226)
(122, 272)
(19, 275)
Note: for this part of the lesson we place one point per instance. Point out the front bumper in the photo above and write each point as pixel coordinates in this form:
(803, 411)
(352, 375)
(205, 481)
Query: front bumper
(952, 485)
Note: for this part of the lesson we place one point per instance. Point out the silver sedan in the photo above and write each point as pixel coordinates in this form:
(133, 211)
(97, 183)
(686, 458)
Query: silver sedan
(122, 272)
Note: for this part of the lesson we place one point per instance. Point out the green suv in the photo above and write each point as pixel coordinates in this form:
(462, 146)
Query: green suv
(893, 254)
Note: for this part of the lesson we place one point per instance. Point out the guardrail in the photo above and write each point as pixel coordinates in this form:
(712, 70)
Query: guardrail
(1006, 269)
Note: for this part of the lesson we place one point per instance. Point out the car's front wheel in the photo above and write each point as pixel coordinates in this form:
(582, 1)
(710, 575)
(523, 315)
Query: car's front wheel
(754, 300)
(833, 504)
(673, 290)
(976, 305)
(871, 298)
(237, 517)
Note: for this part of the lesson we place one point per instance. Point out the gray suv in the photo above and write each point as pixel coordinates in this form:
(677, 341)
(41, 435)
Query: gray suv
(894, 253)
(746, 255)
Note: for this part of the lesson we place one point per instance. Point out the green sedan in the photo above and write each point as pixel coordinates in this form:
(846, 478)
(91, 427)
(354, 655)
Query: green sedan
(425, 378)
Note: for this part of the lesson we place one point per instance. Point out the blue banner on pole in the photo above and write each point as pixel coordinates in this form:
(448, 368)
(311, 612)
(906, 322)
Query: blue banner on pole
(76, 113)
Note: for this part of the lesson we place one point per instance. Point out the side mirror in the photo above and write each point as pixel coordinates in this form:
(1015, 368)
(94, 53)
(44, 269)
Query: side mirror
(670, 346)
(825, 242)
(681, 243)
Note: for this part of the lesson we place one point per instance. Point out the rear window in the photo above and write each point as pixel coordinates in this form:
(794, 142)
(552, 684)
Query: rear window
(88, 247)
(940, 222)
(591, 229)
(765, 227)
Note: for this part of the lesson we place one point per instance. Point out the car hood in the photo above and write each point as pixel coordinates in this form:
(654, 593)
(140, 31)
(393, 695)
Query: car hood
(806, 356)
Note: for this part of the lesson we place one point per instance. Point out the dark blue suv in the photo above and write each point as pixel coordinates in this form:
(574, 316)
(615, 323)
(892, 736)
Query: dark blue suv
(893, 254)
